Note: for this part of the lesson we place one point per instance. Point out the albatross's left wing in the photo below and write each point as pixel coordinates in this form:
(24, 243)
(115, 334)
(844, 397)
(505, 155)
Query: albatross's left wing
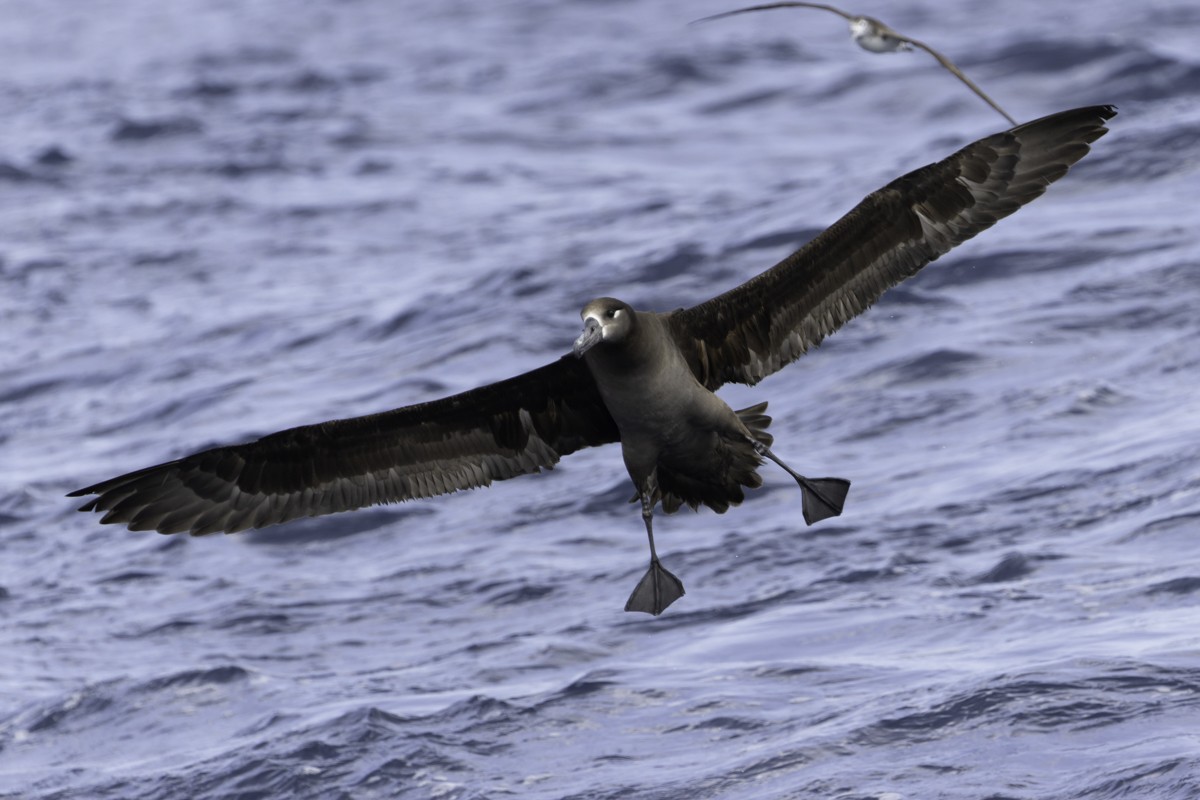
(499, 431)
(770, 6)
(771, 320)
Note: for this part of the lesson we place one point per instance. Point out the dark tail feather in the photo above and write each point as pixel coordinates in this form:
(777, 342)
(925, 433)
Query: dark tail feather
(756, 420)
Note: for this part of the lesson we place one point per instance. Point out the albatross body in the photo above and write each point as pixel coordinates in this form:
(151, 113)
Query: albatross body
(641, 378)
(681, 443)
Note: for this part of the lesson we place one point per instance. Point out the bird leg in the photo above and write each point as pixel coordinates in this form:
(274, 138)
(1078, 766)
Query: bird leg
(822, 497)
(658, 588)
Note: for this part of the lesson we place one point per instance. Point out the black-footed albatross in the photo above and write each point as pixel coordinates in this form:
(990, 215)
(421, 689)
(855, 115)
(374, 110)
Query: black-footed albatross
(642, 378)
(876, 37)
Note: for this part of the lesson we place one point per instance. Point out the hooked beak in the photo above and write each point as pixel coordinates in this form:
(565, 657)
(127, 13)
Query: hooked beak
(592, 333)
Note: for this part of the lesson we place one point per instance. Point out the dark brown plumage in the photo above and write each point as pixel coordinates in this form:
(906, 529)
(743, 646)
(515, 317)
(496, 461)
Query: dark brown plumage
(642, 378)
(771, 320)
(495, 432)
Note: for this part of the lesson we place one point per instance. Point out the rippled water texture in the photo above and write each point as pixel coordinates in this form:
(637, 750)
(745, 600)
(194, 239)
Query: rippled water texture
(222, 219)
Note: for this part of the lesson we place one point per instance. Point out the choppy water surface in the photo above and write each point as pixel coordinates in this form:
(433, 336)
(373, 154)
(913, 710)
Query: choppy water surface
(221, 219)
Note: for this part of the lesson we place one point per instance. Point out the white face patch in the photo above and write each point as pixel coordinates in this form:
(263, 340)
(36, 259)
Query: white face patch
(611, 325)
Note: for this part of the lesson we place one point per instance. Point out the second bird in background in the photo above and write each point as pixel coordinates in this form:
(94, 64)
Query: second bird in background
(874, 36)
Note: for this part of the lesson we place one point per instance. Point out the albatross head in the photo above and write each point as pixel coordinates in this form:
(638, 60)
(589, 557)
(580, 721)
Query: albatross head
(604, 320)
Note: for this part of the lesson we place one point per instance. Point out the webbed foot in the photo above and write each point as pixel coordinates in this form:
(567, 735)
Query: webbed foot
(822, 497)
(657, 589)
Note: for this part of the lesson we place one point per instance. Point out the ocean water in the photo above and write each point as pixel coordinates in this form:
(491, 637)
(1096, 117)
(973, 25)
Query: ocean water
(220, 219)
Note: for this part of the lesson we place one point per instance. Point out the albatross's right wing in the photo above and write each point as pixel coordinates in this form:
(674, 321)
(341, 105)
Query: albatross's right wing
(498, 431)
(771, 320)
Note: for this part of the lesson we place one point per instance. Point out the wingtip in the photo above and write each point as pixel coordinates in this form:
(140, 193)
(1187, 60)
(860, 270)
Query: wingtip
(1103, 112)
(712, 17)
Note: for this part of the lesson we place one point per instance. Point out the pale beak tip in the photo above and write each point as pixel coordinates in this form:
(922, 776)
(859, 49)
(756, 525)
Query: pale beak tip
(590, 336)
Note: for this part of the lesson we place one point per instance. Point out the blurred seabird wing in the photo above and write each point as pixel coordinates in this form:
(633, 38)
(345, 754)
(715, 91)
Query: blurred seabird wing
(771, 320)
(769, 6)
(954, 70)
(499, 431)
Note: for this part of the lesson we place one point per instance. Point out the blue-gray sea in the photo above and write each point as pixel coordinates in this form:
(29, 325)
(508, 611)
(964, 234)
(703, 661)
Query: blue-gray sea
(220, 219)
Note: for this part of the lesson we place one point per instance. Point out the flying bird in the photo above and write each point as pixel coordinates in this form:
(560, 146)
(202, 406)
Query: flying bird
(874, 36)
(642, 378)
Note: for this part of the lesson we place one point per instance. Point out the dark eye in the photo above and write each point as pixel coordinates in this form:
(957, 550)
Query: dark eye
(610, 313)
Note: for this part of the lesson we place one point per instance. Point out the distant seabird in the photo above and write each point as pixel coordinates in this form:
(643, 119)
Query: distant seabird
(874, 36)
(645, 379)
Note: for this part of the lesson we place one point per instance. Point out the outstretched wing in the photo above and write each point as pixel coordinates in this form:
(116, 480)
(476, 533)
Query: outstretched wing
(769, 6)
(750, 332)
(495, 432)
